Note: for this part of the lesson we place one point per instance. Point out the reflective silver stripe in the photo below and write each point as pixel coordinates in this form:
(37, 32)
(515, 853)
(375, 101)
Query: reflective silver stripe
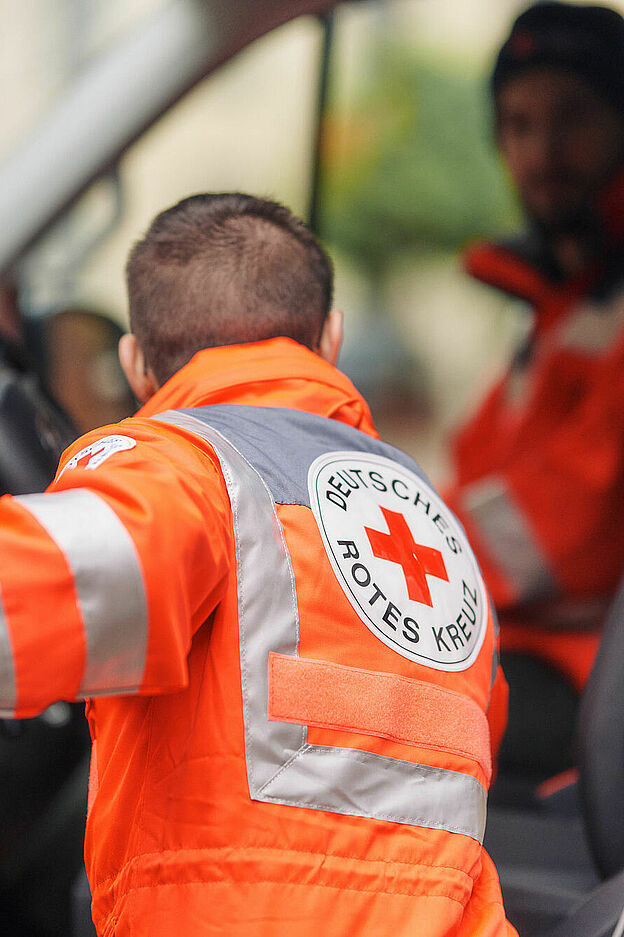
(594, 327)
(281, 767)
(495, 657)
(267, 605)
(508, 538)
(7, 672)
(109, 585)
(495, 665)
(345, 780)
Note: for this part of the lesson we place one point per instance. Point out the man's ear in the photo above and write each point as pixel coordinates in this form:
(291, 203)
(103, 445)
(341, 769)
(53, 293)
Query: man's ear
(331, 336)
(133, 364)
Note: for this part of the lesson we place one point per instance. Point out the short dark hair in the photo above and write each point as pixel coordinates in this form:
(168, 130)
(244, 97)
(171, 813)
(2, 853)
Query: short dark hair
(225, 269)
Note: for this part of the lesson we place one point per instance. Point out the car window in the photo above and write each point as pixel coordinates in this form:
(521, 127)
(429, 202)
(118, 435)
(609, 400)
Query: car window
(45, 44)
(409, 173)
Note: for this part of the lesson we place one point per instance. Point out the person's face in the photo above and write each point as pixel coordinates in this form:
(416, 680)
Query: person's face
(561, 142)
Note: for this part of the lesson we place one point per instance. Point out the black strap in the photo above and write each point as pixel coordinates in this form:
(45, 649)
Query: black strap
(597, 916)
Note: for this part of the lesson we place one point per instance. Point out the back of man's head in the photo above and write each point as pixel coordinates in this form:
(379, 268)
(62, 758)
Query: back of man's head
(225, 269)
(586, 40)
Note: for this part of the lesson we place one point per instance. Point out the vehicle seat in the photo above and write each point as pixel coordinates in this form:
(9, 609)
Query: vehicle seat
(561, 870)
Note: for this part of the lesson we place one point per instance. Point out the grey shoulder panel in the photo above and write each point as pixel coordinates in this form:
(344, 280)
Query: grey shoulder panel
(281, 444)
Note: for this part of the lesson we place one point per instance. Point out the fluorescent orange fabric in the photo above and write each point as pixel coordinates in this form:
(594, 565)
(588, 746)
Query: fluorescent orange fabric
(350, 699)
(174, 843)
(551, 432)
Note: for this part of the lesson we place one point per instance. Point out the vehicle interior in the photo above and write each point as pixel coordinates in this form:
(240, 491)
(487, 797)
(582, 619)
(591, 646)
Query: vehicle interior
(82, 172)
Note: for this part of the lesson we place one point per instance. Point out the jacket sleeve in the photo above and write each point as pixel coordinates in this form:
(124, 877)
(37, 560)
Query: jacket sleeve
(105, 577)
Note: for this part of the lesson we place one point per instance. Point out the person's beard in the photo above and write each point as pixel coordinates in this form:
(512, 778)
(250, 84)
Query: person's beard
(581, 225)
(572, 213)
(567, 221)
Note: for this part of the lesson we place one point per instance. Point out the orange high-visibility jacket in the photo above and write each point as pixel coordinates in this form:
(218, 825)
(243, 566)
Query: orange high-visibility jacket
(289, 659)
(539, 467)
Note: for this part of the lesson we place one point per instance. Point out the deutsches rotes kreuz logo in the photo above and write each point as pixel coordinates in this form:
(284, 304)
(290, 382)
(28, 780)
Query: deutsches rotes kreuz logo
(401, 558)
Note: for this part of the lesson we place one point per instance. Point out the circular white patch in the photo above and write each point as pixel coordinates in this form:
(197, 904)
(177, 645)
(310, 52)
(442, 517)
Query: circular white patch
(97, 452)
(401, 558)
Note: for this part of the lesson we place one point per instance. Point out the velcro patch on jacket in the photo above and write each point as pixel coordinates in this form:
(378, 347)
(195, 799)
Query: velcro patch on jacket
(334, 696)
(401, 558)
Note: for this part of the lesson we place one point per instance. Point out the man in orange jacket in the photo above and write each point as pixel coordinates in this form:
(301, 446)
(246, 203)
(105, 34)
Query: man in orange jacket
(282, 633)
(539, 468)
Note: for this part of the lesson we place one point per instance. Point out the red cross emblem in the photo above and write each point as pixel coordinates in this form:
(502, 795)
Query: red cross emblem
(416, 560)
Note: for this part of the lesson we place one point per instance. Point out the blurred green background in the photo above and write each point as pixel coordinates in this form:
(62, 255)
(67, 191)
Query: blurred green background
(409, 175)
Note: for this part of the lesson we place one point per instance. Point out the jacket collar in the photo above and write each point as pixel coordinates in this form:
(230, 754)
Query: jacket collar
(278, 372)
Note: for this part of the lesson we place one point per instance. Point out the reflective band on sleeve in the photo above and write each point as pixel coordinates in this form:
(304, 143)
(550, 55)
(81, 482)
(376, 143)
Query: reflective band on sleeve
(508, 539)
(7, 672)
(334, 696)
(109, 585)
(593, 328)
(281, 766)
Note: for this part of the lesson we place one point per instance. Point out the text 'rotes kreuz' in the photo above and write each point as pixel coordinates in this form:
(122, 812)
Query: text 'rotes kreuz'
(401, 558)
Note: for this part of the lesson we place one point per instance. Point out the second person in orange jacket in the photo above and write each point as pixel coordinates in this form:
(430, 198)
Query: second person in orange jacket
(539, 468)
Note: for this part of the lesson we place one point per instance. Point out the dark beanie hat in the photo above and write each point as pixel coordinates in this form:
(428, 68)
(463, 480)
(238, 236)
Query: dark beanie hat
(585, 40)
